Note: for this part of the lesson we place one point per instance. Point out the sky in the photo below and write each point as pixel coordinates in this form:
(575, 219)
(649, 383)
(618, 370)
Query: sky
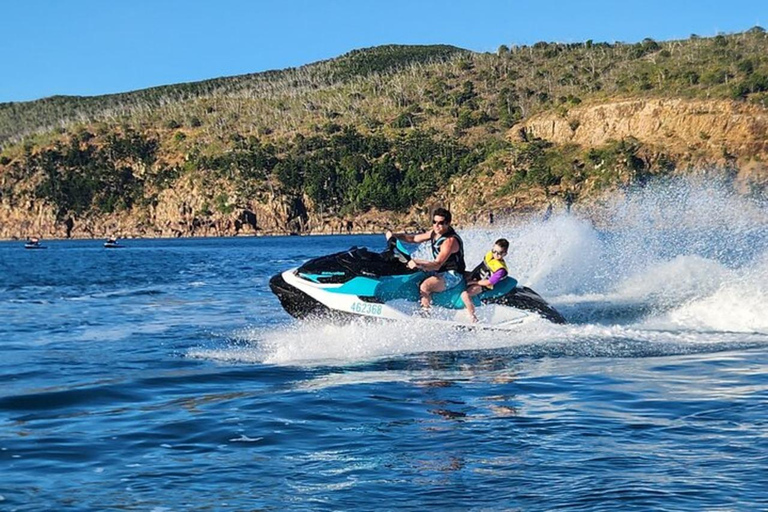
(92, 47)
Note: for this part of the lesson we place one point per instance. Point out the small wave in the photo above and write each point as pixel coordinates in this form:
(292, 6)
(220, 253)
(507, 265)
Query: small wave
(245, 439)
(130, 293)
(75, 399)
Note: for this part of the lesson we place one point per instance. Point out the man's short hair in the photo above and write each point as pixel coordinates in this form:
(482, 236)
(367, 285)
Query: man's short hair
(442, 212)
(503, 243)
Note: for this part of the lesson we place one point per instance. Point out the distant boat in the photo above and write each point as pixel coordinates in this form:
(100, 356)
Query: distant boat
(111, 243)
(34, 243)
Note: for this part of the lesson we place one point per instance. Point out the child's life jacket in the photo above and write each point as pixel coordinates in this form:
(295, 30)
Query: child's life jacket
(491, 269)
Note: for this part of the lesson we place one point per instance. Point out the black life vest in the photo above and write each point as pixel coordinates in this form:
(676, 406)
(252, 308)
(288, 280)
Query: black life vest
(455, 261)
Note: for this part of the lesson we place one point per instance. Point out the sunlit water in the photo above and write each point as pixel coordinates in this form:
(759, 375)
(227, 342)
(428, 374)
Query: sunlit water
(165, 376)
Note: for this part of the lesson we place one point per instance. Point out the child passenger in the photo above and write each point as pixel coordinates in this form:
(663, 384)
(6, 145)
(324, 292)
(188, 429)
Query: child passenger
(488, 273)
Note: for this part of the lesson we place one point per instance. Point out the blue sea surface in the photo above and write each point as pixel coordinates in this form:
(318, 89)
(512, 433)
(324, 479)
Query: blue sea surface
(166, 376)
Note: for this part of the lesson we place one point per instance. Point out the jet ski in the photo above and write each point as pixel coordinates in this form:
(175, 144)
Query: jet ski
(362, 283)
(34, 243)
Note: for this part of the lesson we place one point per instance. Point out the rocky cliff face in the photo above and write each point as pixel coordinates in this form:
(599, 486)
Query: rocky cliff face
(185, 210)
(696, 135)
(706, 131)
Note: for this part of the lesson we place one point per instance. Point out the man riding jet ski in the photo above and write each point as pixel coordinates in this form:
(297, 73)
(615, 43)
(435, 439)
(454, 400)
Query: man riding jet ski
(359, 282)
(446, 269)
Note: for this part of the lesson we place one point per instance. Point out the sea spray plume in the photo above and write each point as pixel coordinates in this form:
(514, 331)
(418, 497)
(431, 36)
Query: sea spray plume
(680, 240)
(689, 202)
(562, 255)
(639, 254)
(685, 217)
(736, 304)
(556, 256)
(668, 283)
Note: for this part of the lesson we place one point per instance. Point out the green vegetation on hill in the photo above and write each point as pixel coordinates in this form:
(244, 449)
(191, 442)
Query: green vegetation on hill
(542, 164)
(340, 171)
(446, 83)
(81, 177)
(27, 117)
(347, 171)
(382, 127)
(381, 59)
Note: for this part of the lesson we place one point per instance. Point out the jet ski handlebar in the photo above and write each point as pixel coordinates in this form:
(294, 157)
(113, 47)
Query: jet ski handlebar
(396, 248)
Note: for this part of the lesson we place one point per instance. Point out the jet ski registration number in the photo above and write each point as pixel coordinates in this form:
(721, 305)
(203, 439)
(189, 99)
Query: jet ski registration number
(365, 308)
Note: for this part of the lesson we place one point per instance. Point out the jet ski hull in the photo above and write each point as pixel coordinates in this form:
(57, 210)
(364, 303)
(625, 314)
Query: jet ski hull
(296, 302)
(362, 283)
(525, 299)
(304, 298)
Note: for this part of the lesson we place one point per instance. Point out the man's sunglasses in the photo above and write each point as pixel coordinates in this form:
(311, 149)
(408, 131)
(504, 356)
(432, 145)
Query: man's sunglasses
(439, 222)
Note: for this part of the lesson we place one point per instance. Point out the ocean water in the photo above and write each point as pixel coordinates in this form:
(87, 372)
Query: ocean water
(165, 376)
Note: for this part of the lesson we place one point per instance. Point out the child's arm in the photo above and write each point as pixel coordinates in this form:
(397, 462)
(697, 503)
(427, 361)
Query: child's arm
(494, 279)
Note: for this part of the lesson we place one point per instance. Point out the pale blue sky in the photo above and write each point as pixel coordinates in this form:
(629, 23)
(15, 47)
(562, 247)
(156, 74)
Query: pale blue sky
(90, 47)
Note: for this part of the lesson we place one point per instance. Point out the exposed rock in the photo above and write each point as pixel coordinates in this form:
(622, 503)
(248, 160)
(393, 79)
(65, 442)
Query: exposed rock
(709, 130)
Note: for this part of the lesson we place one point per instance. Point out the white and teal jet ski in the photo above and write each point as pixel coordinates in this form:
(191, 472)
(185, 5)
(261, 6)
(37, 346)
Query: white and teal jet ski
(362, 283)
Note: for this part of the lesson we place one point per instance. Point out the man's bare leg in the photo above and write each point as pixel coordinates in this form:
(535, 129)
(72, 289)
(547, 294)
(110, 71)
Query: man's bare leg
(432, 284)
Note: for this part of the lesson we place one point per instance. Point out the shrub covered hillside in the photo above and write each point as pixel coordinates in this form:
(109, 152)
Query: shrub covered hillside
(386, 128)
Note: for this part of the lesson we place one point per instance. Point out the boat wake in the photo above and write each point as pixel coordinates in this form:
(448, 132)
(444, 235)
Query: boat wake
(311, 344)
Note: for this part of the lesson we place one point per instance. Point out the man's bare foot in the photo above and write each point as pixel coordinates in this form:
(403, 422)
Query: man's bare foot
(473, 319)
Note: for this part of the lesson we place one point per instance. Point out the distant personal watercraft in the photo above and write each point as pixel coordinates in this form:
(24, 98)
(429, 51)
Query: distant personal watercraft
(111, 243)
(33, 243)
(359, 282)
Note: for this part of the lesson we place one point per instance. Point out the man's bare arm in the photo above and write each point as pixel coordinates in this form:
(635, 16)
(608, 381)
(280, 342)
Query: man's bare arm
(449, 247)
(410, 238)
